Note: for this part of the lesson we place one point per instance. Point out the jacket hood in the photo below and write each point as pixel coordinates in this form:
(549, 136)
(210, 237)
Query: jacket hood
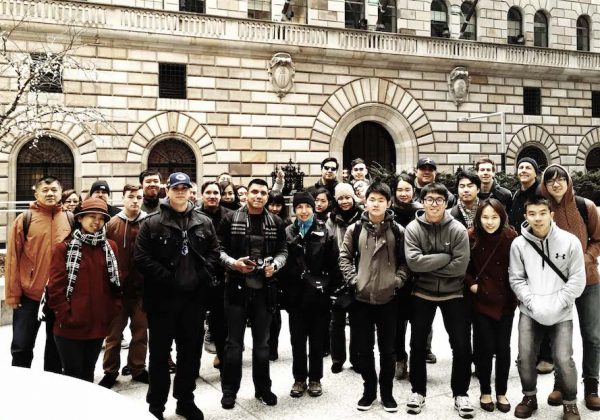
(448, 218)
(389, 216)
(569, 195)
(141, 216)
(528, 234)
(36, 205)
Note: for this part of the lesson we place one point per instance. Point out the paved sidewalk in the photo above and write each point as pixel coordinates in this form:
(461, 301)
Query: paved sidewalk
(340, 392)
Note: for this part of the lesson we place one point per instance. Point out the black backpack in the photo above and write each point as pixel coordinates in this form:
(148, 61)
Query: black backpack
(582, 208)
(27, 221)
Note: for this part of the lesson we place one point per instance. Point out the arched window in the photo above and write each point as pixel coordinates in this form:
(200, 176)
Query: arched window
(583, 33)
(536, 154)
(540, 29)
(386, 16)
(592, 160)
(471, 30)
(172, 155)
(48, 157)
(514, 26)
(439, 19)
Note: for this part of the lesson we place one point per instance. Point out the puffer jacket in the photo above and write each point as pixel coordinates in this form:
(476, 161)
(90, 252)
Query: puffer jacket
(158, 251)
(28, 259)
(438, 254)
(542, 294)
(381, 267)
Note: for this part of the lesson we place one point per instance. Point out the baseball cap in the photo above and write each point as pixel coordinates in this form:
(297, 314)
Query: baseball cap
(178, 178)
(426, 162)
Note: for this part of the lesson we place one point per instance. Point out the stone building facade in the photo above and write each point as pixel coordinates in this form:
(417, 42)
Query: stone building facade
(354, 91)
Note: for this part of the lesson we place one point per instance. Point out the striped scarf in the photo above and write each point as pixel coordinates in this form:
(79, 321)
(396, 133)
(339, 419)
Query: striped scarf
(74, 257)
(467, 214)
(240, 227)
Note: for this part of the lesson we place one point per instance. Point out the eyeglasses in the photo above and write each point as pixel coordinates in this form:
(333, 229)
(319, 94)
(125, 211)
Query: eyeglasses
(438, 201)
(559, 180)
(330, 168)
(72, 201)
(359, 169)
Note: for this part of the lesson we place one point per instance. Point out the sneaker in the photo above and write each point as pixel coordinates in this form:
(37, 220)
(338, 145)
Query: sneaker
(189, 410)
(544, 367)
(315, 389)
(415, 403)
(142, 377)
(124, 343)
(266, 397)
(365, 403)
(430, 357)
(228, 401)
(462, 404)
(389, 404)
(401, 370)
(109, 380)
(336, 367)
(125, 371)
(298, 389)
(526, 407)
(570, 412)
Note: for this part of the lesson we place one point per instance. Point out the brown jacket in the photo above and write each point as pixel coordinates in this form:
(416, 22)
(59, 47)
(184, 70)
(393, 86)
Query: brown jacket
(28, 259)
(124, 232)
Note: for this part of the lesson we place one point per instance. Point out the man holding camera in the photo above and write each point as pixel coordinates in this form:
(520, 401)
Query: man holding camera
(252, 251)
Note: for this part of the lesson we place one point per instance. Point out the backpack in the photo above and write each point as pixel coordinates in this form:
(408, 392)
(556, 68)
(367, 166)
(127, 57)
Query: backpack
(356, 234)
(582, 208)
(27, 215)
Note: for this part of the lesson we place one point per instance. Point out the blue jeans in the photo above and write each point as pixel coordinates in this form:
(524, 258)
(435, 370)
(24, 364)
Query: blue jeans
(25, 328)
(588, 309)
(531, 334)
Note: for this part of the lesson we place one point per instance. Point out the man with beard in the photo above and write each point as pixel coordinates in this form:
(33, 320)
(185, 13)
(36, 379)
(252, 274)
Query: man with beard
(467, 185)
(425, 174)
(150, 180)
(253, 248)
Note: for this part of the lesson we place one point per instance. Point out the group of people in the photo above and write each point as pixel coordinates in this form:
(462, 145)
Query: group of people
(381, 254)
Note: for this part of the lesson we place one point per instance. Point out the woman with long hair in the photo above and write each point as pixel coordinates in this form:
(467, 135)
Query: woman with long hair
(493, 300)
(323, 204)
(84, 290)
(276, 205)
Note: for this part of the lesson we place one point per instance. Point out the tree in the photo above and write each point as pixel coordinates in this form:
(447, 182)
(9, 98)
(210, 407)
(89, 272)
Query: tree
(31, 80)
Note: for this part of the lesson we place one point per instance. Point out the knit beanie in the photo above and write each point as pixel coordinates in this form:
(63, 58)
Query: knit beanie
(302, 197)
(343, 189)
(531, 161)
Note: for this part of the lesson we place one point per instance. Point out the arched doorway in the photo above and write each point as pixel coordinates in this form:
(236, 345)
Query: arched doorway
(373, 143)
(536, 154)
(46, 156)
(592, 161)
(172, 155)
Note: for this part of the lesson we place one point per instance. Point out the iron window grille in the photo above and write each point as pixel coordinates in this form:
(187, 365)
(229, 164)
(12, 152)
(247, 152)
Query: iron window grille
(172, 80)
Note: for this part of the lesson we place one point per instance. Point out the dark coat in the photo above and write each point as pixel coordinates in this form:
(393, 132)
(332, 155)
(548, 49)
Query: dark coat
(516, 215)
(312, 190)
(311, 257)
(158, 251)
(494, 296)
(499, 193)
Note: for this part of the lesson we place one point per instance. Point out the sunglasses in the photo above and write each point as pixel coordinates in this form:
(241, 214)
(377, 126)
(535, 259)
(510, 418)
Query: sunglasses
(330, 168)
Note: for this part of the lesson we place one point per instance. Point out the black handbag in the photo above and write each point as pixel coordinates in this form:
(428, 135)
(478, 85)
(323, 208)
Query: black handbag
(343, 297)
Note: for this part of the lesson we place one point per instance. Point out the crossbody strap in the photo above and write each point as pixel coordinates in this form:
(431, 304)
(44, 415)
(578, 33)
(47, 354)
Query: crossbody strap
(547, 259)
(485, 264)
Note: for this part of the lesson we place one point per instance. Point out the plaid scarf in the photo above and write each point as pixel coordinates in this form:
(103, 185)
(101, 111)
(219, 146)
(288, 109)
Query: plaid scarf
(467, 214)
(74, 257)
(240, 228)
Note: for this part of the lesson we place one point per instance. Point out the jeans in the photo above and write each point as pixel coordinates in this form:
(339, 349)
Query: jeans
(307, 325)
(456, 321)
(25, 328)
(337, 334)
(492, 337)
(588, 309)
(255, 308)
(561, 340)
(79, 357)
(182, 323)
(382, 318)
(138, 347)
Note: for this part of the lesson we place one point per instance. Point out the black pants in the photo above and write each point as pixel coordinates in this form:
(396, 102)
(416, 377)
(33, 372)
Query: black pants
(79, 357)
(255, 308)
(25, 327)
(492, 337)
(307, 325)
(180, 323)
(381, 318)
(337, 334)
(274, 332)
(456, 321)
(216, 320)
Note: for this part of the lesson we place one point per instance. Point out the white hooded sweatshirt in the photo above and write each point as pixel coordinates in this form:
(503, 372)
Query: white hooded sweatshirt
(542, 294)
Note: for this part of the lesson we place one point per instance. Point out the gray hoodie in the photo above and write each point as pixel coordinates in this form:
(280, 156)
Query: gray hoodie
(438, 255)
(542, 294)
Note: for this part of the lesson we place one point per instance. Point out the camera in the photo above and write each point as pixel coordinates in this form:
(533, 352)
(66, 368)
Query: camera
(261, 264)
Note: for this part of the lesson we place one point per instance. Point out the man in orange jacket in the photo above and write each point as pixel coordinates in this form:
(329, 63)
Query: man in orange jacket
(28, 257)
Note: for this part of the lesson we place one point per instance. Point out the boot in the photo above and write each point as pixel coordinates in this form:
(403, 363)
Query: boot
(570, 412)
(590, 387)
(526, 407)
(555, 398)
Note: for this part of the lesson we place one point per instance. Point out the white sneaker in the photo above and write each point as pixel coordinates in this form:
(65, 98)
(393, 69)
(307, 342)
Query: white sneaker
(415, 402)
(463, 405)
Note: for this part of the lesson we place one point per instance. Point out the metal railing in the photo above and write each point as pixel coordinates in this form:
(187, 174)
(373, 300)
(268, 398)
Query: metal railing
(224, 28)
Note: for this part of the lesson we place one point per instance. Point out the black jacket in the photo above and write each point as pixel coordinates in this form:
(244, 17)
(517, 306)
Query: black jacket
(516, 215)
(312, 190)
(499, 193)
(310, 259)
(158, 251)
